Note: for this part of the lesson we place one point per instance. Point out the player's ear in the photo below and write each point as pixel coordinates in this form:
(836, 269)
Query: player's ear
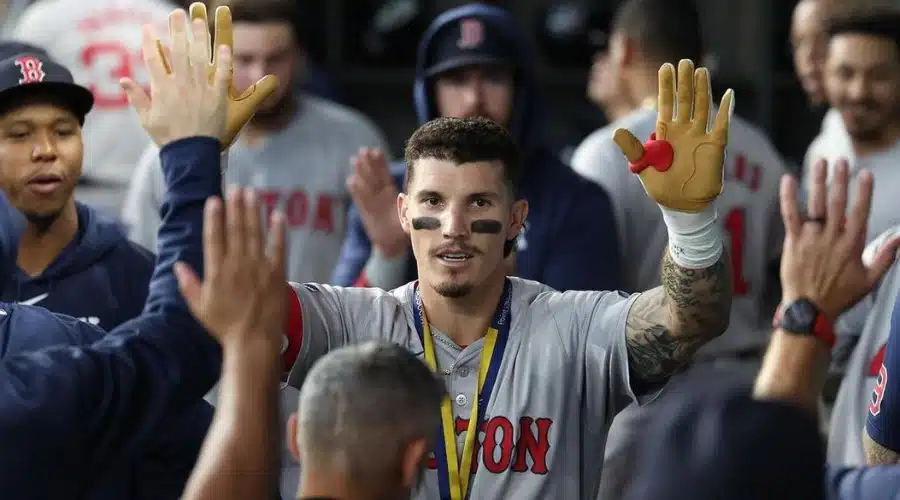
(413, 459)
(292, 437)
(402, 207)
(518, 213)
(623, 50)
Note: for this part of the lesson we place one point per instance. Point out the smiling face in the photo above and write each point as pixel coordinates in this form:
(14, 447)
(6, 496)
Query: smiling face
(41, 154)
(459, 218)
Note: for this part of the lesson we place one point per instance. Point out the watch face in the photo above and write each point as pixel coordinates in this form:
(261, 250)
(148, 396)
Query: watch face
(800, 316)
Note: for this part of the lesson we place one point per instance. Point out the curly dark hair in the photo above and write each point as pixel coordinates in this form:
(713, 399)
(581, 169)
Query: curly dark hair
(466, 140)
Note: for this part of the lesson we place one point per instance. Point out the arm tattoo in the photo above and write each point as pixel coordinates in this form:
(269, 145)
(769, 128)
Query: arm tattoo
(667, 324)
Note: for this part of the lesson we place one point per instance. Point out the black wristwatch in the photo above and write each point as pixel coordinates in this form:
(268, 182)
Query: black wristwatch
(803, 317)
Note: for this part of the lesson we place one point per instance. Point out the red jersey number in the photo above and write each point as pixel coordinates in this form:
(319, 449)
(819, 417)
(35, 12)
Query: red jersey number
(107, 62)
(736, 225)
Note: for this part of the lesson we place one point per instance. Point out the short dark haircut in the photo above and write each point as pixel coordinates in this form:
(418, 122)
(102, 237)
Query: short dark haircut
(880, 21)
(466, 140)
(666, 30)
(263, 11)
(361, 399)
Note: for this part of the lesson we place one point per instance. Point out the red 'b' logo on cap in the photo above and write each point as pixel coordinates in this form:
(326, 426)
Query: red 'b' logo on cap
(32, 69)
(471, 34)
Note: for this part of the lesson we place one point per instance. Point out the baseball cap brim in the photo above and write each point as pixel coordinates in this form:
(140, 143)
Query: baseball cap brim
(78, 99)
(464, 61)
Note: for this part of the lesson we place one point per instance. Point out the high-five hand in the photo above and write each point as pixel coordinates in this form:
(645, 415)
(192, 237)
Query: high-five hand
(241, 300)
(202, 63)
(183, 102)
(822, 258)
(375, 195)
(681, 166)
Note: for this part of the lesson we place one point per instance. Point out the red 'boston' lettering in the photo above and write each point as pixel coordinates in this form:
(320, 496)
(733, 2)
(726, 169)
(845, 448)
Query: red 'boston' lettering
(533, 441)
(501, 447)
(497, 445)
(296, 206)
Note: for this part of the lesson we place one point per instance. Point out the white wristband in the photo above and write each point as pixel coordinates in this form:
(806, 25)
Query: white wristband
(695, 239)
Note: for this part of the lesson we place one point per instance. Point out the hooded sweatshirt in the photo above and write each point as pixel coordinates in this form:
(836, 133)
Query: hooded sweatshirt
(100, 276)
(85, 414)
(570, 237)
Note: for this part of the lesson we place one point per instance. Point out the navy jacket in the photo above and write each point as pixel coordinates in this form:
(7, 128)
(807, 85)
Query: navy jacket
(70, 414)
(570, 238)
(100, 277)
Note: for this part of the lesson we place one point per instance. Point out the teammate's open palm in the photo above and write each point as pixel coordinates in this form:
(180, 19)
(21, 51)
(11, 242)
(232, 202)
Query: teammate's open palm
(241, 299)
(822, 258)
(183, 102)
(375, 196)
(682, 165)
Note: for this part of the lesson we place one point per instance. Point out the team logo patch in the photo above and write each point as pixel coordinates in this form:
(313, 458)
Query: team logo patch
(471, 34)
(31, 68)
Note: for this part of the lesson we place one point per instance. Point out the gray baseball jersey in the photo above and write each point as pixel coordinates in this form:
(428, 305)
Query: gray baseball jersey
(563, 377)
(300, 170)
(848, 419)
(100, 42)
(748, 209)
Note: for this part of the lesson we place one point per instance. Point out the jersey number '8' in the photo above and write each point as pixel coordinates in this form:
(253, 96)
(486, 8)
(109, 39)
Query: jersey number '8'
(106, 62)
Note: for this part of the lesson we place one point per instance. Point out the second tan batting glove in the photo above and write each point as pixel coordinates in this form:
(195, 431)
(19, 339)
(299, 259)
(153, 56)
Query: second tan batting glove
(682, 165)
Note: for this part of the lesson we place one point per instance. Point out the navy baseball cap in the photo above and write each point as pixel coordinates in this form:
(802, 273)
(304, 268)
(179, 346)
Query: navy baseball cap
(24, 73)
(723, 444)
(467, 42)
(10, 48)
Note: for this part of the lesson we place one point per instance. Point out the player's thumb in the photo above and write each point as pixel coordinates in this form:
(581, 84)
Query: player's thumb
(137, 96)
(189, 286)
(629, 144)
(884, 259)
(259, 92)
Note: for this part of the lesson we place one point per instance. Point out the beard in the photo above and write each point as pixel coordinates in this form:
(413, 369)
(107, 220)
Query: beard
(454, 290)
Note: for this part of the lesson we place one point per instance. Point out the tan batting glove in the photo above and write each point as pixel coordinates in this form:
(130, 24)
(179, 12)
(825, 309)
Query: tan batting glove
(241, 107)
(682, 165)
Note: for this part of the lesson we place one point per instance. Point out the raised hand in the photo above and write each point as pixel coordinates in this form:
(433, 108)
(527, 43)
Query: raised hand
(822, 258)
(241, 106)
(201, 64)
(184, 101)
(375, 196)
(241, 299)
(682, 165)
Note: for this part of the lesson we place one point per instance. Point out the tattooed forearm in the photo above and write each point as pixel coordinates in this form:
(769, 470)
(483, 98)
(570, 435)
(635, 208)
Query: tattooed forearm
(666, 325)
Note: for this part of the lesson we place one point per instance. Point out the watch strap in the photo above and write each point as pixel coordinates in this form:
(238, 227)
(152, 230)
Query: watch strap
(822, 329)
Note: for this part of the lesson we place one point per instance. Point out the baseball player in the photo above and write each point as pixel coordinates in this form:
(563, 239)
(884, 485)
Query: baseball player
(100, 42)
(295, 151)
(862, 79)
(70, 415)
(534, 376)
(748, 209)
(645, 33)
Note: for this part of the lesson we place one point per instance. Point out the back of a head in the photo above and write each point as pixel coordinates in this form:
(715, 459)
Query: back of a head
(361, 408)
(665, 30)
(723, 444)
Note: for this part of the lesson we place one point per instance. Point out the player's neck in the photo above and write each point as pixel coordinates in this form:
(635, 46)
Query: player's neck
(464, 319)
(40, 246)
(887, 140)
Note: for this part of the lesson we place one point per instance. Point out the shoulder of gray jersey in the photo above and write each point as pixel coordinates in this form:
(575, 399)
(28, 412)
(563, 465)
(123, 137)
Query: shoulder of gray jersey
(350, 121)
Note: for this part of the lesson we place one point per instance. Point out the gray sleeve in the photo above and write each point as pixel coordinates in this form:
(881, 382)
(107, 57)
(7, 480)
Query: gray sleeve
(140, 210)
(333, 317)
(597, 323)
